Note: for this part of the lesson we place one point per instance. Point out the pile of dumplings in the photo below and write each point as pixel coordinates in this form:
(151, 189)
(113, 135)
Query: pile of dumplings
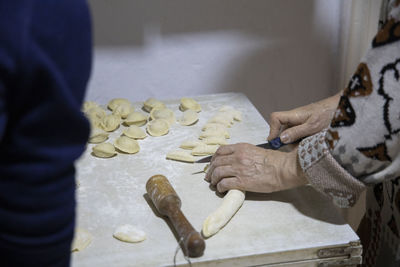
(214, 133)
(121, 112)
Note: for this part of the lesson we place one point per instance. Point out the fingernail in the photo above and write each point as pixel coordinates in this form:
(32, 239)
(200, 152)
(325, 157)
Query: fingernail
(285, 138)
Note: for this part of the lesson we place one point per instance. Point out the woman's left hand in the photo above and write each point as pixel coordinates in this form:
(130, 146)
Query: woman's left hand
(250, 168)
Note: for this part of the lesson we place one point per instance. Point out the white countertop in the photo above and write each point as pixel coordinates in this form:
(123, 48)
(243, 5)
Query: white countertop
(269, 228)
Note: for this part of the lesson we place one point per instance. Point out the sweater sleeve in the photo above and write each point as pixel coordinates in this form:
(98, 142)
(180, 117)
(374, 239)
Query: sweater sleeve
(362, 144)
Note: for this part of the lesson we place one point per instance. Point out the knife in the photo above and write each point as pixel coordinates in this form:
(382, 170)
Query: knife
(273, 144)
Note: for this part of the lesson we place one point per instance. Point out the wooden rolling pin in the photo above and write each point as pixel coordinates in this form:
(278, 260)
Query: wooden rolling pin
(168, 204)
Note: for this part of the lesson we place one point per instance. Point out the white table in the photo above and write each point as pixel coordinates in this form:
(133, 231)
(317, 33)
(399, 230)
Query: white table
(292, 228)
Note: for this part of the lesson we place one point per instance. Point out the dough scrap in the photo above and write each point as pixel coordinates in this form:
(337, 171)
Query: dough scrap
(127, 145)
(151, 103)
(82, 239)
(222, 215)
(190, 144)
(110, 122)
(104, 150)
(204, 150)
(181, 155)
(123, 110)
(129, 233)
(163, 113)
(97, 135)
(214, 132)
(189, 117)
(215, 140)
(158, 127)
(135, 132)
(117, 102)
(136, 118)
(189, 103)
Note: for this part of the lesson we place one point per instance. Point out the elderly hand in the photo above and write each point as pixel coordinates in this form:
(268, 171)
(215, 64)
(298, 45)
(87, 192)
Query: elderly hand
(303, 121)
(250, 168)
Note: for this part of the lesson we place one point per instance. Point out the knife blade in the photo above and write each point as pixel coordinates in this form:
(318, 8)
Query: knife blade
(273, 144)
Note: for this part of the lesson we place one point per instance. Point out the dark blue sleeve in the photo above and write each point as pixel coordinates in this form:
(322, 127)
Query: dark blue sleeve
(45, 61)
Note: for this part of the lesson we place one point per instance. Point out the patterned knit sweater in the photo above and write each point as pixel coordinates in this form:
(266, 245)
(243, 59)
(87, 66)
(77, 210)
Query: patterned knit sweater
(361, 148)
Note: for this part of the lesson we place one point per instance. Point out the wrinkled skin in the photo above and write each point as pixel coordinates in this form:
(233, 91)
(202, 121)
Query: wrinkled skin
(250, 168)
(303, 121)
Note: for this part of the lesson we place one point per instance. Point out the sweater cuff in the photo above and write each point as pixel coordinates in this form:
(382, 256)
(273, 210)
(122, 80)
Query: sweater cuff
(325, 174)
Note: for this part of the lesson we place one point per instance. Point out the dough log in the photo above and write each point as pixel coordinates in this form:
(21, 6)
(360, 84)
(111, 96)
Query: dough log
(221, 216)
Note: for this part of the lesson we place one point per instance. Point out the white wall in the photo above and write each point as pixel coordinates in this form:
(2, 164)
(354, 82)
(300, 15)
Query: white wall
(280, 53)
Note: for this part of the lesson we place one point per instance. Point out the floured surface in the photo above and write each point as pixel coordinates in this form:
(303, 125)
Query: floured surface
(112, 192)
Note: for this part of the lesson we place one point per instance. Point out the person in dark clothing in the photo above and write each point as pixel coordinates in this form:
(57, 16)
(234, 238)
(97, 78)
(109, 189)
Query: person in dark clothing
(45, 62)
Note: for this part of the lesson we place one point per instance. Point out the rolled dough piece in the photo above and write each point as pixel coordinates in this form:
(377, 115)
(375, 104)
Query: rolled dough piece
(135, 132)
(158, 127)
(215, 140)
(214, 132)
(221, 119)
(189, 103)
(82, 239)
(163, 113)
(136, 118)
(189, 117)
(181, 155)
(95, 112)
(104, 150)
(222, 215)
(129, 233)
(117, 102)
(204, 150)
(213, 126)
(151, 103)
(127, 145)
(190, 144)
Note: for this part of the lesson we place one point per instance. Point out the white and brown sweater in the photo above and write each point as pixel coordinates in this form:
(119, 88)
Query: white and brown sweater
(361, 148)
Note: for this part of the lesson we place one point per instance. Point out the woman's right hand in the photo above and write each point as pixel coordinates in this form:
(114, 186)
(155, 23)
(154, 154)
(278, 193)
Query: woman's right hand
(303, 121)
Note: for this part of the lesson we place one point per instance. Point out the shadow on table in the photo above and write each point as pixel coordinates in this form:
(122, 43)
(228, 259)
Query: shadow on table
(306, 200)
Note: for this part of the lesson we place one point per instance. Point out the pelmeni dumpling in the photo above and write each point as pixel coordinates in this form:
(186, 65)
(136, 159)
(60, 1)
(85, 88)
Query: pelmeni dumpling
(181, 155)
(237, 115)
(163, 113)
(215, 140)
(158, 127)
(104, 150)
(88, 105)
(123, 110)
(222, 118)
(97, 135)
(151, 103)
(117, 102)
(136, 118)
(95, 112)
(189, 103)
(129, 233)
(189, 117)
(110, 122)
(204, 149)
(212, 132)
(127, 145)
(135, 132)
(190, 144)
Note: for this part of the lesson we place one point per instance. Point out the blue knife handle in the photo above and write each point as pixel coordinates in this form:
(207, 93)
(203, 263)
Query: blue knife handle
(276, 143)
